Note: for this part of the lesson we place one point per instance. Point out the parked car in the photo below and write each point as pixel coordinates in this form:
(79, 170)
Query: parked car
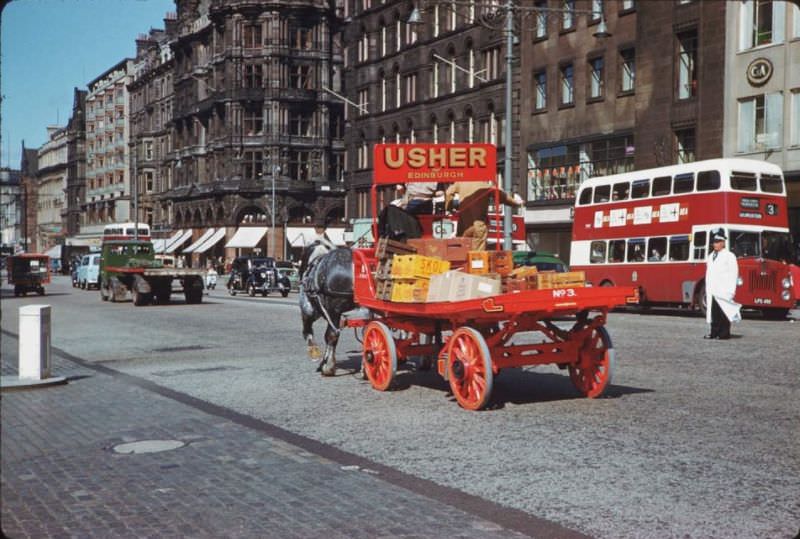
(256, 275)
(28, 273)
(288, 270)
(542, 261)
(89, 271)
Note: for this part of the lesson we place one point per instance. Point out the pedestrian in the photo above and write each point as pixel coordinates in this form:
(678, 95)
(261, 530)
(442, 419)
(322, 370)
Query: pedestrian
(722, 273)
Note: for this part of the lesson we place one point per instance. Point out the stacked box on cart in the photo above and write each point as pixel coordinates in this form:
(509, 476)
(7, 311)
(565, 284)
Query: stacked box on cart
(386, 248)
(417, 266)
(454, 250)
(383, 289)
(467, 286)
(501, 262)
(410, 290)
(569, 279)
(384, 270)
(478, 262)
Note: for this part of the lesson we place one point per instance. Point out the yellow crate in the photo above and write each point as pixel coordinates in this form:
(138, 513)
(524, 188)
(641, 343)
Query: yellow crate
(410, 290)
(570, 279)
(417, 266)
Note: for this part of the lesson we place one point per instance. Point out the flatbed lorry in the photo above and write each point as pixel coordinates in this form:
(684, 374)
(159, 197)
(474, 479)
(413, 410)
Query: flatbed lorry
(129, 267)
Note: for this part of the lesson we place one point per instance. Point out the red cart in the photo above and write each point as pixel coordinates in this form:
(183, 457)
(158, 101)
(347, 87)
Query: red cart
(472, 340)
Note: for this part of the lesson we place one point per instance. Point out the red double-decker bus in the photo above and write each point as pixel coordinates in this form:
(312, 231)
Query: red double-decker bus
(651, 229)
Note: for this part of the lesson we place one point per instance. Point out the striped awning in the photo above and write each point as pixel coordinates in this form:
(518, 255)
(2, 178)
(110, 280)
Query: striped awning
(207, 234)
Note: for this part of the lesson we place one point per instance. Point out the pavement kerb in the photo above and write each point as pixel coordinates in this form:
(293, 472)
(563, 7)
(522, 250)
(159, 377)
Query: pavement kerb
(509, 518)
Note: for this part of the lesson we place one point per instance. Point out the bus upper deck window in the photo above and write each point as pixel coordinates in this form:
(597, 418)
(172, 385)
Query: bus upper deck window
(641, 189)
(683, 183)
(743, 181)
(708, 180)
(586, 196)
(620, 191)
(662, 186)
(771, 183)
(602, 193)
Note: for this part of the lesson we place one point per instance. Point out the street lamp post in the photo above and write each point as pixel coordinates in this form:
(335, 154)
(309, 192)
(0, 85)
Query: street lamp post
(491, 21)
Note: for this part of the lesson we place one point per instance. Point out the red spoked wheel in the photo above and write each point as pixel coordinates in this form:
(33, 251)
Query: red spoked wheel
(469, 368)
(594, 368)
(380, 355)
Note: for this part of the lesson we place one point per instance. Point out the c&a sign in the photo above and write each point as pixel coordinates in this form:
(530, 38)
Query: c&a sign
(401, 163)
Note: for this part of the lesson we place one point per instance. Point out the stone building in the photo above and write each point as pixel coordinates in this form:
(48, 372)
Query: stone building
(52, 184)
(108, 194)
(76, 166)
(30, 199)
(251, 117)
(439, 81)
(151, 94)
(11, 211)
(647, 96)
(762, 90)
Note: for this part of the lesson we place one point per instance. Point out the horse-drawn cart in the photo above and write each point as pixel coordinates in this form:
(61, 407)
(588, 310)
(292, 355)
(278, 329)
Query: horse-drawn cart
(473, 339)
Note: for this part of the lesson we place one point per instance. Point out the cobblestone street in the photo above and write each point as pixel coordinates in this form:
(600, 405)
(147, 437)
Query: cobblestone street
(62, 478)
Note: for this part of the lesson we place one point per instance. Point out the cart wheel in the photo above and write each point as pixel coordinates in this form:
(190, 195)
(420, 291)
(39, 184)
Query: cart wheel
(595, 366)
(469, 368)
(380, 355)
(284, 293)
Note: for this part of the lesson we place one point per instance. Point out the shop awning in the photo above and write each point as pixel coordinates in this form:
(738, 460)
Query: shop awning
(172, 239)
(247, 237)
(172, 247)
(211, 242)
(159, 244)
(300, 236)
(193, 247)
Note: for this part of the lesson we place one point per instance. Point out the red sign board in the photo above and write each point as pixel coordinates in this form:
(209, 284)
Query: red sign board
(403, 163)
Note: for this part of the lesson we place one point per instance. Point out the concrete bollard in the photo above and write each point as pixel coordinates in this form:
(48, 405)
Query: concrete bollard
(34, 342)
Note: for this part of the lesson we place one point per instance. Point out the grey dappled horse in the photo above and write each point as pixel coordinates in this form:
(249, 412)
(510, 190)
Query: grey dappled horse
(326, 292)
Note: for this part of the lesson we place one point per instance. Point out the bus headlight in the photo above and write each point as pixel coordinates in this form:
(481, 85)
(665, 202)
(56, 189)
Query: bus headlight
(786, 295)
(787, 282)
(739, 281)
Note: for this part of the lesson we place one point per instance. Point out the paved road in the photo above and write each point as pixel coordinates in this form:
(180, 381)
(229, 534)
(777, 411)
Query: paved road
(698, 438)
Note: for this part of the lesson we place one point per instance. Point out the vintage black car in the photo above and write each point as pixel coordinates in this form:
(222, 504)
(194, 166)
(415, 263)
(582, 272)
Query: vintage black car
(256, 275)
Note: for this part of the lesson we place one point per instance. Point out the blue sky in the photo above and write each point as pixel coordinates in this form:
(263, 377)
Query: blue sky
(53, 46)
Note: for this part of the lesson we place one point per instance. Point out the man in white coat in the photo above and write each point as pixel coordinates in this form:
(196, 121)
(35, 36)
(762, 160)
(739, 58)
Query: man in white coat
(722, 272)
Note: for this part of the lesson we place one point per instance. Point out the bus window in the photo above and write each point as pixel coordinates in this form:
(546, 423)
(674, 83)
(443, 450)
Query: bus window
(662, 186)
(641, 189)
(657, 249)
(602, 193)
(620, 191)
(744, 243)
(636, 250)
(776, 246)
(708, 180)
(616, 251)
(743, 181)
(700, 248)
(585, 196)
(679, 248)
(684, 183)
(598, 252)
(771, 183)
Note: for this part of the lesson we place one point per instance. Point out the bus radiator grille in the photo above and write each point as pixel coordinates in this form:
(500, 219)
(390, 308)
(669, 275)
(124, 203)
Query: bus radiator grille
(762, 281)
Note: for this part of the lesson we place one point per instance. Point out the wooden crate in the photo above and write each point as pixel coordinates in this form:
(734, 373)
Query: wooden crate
(386, 248)
(570, 279)
(384, 270)
(383, 289)
(501, 262)
(541, 281)
(477, 262)
(512, 285)
(524, 271)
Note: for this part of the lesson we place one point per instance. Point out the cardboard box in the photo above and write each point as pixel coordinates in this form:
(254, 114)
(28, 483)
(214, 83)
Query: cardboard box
(440, 285)
(467, 286)
(478, 262)
(501, 262)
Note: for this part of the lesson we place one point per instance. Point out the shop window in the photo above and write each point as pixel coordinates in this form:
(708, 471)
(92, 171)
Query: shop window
(760, 122)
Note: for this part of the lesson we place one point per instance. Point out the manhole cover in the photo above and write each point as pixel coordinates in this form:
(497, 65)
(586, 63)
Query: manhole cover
(148, 446)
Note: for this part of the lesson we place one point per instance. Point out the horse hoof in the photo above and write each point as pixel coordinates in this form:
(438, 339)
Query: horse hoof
(314, 352)
(326, 371)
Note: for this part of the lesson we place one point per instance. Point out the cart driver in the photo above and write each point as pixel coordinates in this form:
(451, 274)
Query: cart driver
(473, 206)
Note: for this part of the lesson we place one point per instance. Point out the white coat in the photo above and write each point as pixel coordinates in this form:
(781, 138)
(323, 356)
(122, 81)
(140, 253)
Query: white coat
(721, 277)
